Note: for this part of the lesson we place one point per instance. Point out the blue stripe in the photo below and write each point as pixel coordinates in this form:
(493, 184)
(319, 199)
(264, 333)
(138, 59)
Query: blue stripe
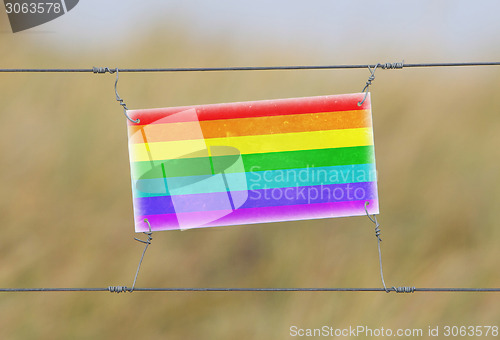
(255, 198)
(256, 180)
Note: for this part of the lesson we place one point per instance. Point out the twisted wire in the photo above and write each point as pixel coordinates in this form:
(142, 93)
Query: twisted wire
(368, 83)
(102, 70)
(392, 66)
(118, 99)
(404, 289)
(117, 289)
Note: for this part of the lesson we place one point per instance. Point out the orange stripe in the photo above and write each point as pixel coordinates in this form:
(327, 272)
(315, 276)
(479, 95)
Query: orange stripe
(252, 126)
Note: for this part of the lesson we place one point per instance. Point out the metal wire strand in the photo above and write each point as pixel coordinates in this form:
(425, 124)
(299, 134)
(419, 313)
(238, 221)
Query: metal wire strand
(250, 68)
(120, 289)
(102, 70)
(123, 289)
(377, 235)
(118, 99)
(147, 243)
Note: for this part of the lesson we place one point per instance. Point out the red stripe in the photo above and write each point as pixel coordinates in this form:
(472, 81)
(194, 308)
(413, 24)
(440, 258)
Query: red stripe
(263, 108)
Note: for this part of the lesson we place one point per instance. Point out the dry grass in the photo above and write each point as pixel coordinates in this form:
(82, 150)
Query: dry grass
(66, 210)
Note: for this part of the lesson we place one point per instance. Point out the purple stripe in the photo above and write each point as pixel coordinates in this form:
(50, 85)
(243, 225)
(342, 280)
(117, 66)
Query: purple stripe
(265, 215)
(256, 198)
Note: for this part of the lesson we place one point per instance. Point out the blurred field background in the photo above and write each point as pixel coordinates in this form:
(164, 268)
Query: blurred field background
(66, 208)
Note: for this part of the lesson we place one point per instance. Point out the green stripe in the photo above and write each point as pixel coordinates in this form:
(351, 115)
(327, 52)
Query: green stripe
(256, 162)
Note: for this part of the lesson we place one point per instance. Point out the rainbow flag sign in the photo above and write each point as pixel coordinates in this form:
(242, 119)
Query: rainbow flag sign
(252, 162)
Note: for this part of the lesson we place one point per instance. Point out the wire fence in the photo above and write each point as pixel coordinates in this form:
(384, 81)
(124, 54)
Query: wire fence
(371, 67)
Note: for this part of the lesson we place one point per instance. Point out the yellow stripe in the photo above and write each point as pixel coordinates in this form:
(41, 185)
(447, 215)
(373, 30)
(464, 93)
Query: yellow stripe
(257, 144)
(167, 150)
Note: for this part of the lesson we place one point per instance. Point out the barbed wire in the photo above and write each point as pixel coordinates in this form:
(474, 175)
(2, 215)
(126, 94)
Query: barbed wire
(398, 65)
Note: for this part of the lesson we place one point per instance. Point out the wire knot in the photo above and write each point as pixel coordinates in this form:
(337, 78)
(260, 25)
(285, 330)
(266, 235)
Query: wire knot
(368, 82)
(392, 66)
(372, 75)
(374, 220)
(103, 70)
(147, 233)
(402, 289)
(378, 232)
(118, 289)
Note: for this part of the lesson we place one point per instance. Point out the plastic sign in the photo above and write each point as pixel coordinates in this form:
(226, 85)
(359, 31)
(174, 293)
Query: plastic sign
(252, 162)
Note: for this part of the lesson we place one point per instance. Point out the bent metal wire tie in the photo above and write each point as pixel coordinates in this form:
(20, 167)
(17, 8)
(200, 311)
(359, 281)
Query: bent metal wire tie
(386, 66)
(377, 235)
(147, 243)
(368, 83)
(118, 98)
(122, 289)
(373, 218)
